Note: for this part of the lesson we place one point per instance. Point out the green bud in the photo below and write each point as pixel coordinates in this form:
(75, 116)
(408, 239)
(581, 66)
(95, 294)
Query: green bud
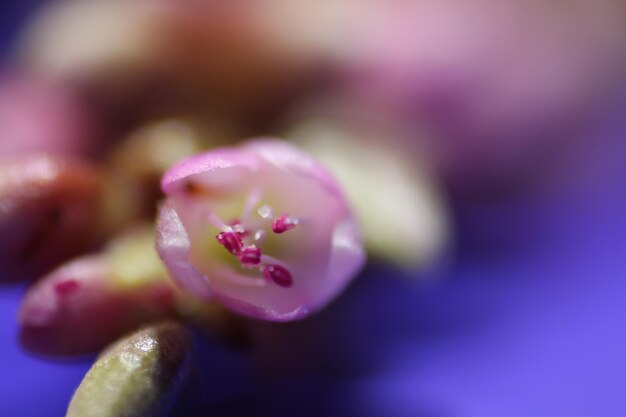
(402, 215)
(139, 376)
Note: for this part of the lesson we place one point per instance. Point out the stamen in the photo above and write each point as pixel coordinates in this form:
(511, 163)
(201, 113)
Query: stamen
(233, 234)
(250, 256)
(252, 200)
(260, 235)
(217, 222)
(278, 274)
(267, 260)
(283, 223)
(231, 241)
(265, 211)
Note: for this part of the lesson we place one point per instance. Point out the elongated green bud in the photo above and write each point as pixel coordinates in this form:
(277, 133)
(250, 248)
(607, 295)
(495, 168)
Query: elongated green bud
(139, 376)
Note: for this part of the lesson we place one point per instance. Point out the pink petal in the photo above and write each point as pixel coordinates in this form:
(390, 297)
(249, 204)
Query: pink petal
(173, 245)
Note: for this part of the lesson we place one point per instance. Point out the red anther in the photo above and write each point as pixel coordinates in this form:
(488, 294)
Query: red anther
(283, 223)
(279, 274)
(250, 256)
(231, 241)
(66, 287)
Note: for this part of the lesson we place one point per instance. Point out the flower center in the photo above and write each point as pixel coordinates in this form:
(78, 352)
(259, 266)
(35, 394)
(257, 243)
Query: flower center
(243, 238)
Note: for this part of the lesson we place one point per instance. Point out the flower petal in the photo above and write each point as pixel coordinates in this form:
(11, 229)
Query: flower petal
(174, 245)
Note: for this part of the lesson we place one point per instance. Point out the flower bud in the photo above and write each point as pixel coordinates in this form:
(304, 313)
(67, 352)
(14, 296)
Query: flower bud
(131, 52)
(89, 302)
(216, 238)
(403, 215)
(139, 376)
(49, 211)
(138, 162)
(82, 40)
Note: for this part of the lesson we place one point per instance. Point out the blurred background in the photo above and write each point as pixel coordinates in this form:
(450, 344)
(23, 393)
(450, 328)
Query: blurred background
(483, 145)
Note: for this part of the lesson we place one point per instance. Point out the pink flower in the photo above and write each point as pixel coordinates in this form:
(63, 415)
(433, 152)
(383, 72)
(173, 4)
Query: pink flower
(262, 227)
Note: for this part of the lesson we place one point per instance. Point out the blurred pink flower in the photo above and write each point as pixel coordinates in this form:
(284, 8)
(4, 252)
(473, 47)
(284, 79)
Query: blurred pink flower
(37, 116)
(262, 227)
(494, 89)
